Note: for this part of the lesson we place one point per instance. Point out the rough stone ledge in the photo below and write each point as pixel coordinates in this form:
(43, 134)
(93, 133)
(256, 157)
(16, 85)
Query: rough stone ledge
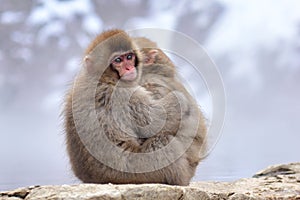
(275, 182)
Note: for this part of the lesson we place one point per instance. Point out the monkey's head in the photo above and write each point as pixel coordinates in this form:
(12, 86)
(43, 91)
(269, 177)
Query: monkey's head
(114, 56)
(151, 53)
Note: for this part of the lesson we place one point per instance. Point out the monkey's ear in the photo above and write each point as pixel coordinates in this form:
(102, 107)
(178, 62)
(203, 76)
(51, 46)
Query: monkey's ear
(150, 58)
(88, 64)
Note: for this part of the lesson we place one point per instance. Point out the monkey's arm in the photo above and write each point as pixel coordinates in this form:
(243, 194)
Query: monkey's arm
(172, 108)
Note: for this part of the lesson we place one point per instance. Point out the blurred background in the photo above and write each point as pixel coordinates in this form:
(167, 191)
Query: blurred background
(254, 43)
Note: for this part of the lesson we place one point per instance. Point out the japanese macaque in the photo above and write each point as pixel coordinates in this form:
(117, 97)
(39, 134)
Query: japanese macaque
(120, 128)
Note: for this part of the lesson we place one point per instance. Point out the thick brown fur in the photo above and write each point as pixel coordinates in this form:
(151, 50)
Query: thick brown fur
(159, 78)
(100, 38)
(121, 112)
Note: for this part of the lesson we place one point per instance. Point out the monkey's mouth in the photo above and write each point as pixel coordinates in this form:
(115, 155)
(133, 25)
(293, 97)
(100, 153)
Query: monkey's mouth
(129, 76)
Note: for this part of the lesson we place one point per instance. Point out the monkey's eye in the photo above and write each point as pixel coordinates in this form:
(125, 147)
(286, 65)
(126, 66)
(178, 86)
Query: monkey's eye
(129, 56)
(118, 60)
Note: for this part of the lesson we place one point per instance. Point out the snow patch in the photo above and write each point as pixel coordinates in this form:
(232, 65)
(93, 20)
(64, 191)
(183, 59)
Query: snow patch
(21, 38)
(67, 10)
(24, 53)
(52, 101)
(10, 17)
(56, 28)
(72, 65)
(248, 27)
(83, 40)
(92, 24)
(64, 42)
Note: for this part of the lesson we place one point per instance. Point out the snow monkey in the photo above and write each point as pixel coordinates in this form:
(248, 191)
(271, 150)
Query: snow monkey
(128, 119)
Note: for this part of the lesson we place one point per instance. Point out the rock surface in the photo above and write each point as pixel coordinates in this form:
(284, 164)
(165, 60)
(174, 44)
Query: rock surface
(276, 182)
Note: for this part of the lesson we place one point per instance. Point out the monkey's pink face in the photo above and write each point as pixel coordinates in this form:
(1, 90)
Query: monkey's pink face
(125, 65)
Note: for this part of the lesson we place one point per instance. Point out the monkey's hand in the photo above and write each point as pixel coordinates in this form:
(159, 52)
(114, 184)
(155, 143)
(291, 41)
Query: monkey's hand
(157, 90)
(130, 145)
(156, 142)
